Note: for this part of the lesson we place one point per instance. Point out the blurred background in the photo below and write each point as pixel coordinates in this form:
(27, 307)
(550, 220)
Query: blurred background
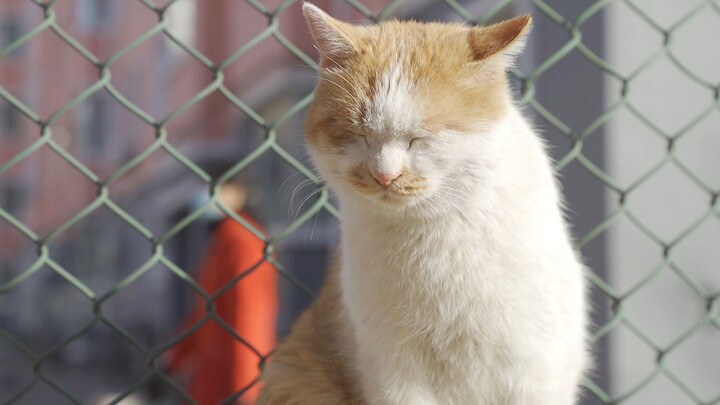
(119, 121)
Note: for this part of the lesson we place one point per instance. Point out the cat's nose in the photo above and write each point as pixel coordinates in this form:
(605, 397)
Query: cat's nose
(384, 179)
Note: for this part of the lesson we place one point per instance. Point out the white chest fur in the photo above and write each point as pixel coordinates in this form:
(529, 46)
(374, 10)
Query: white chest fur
(472, 307)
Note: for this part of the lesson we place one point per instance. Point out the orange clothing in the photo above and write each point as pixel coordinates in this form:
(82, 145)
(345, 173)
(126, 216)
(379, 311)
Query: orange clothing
(220, 365)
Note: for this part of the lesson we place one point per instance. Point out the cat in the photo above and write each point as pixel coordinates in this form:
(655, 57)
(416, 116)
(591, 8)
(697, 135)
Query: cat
(456, 281)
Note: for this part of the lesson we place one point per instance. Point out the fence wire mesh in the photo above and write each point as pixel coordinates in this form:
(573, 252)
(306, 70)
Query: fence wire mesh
(47, 138)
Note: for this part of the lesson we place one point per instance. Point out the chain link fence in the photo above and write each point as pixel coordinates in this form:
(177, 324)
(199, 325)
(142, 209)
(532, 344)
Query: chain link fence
(703, 290)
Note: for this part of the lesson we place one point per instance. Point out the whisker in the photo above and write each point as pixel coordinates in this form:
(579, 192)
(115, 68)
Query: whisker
(299, 187)
(285, 181)
(313, 193)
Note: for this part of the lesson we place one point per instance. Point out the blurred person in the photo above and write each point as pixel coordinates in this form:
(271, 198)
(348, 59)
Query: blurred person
(216, 363)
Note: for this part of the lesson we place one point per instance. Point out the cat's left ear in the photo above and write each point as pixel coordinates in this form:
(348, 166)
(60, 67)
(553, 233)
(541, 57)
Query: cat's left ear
(333, 37)
(503, 40)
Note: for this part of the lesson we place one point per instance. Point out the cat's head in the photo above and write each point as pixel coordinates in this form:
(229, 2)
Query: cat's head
(400, 107)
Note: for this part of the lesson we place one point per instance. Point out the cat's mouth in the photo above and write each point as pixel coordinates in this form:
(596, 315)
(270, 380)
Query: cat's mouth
(397, 194)
(391, 198)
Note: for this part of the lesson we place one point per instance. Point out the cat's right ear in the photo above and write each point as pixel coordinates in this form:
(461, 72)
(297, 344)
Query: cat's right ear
(501, 41)
(333, 37)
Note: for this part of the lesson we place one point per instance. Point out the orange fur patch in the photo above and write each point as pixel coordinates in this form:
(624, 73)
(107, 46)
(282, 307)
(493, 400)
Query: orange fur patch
(453, 85)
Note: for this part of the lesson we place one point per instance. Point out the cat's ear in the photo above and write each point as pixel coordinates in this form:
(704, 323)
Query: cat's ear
(504, 39)
(333, 37)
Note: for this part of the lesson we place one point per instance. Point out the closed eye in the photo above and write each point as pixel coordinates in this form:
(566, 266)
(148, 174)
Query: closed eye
(413, 141)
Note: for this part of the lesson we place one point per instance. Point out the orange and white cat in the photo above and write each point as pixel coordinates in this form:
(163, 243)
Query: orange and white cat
(456, 282)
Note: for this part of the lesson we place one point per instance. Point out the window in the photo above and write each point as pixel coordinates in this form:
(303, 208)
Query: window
(9, 120)
(12, 198)
(93, 14)
(102, 10)
(95, 124)
(10, 31)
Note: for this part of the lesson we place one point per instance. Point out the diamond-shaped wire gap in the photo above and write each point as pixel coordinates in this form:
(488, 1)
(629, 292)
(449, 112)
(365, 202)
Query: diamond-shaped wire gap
(214, 133)
(200, 360)
(154, 387)
(275, 49)
(695, 151)
(556, 56)
(59, 190)
(102, 133)
(634, 150)
(189, 297)
(404, 9)
(687, 52)
(158, 82)
(665, 14)
(698, 256)
(18, 378)
(280, 196)
(43, 393)
(632, 255)
(559, 119)
(101, 250)
(684, 99)
(227, 26)
(664, 307)
(205, 202)
(640, 39)
(97, 364)
(473, 13)
(632, 361)
(553, 78)
(41, 322)
(659, 391)
(156, 190)
(569, 14)
(290, 27)
(269, 176)
(52, 77)
(667, 203)
(107, 27)
(19, 131)
(205, 339)
(696, 362)
(241, 393)
(164, 297)
(552, 21)
(154, 379)
(613, 103)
